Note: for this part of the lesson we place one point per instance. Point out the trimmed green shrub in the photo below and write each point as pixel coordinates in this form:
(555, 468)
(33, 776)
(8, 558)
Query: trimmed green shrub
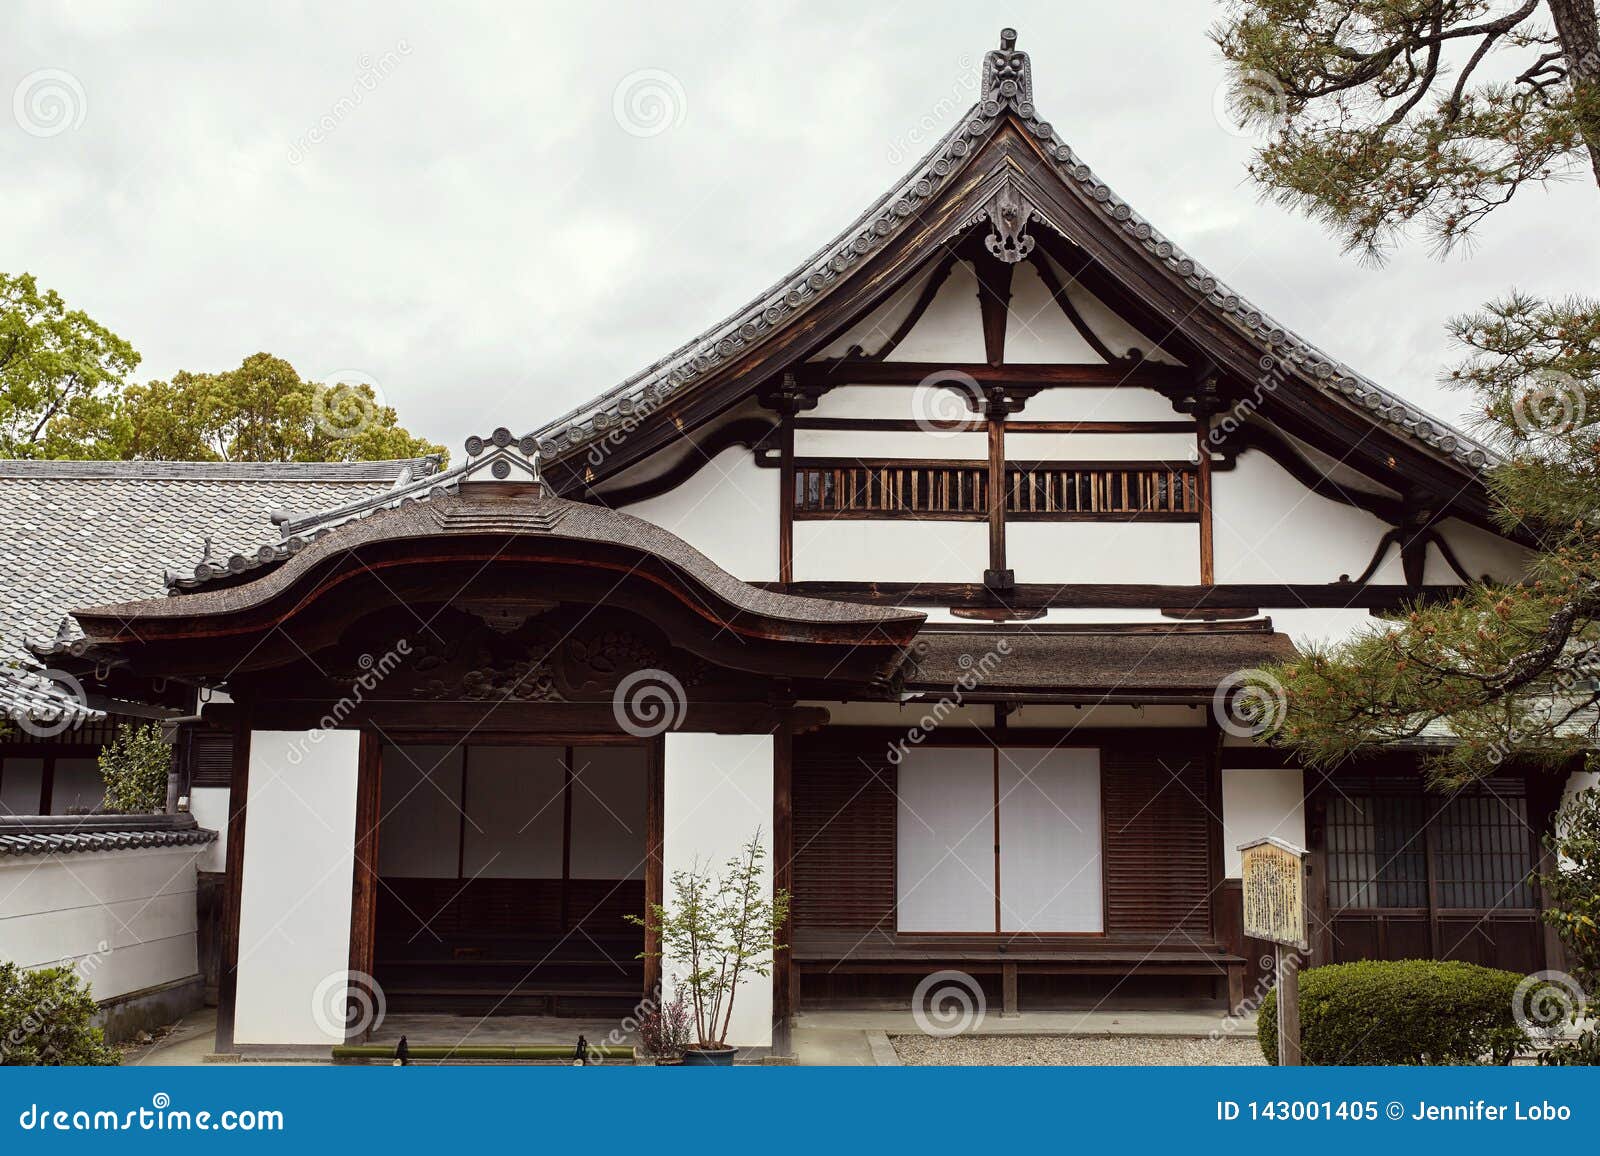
(134, 767)
(1411, 1011)
(45, 1020)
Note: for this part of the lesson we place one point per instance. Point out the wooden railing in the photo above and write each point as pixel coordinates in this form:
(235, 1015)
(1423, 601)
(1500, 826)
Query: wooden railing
(959, 490)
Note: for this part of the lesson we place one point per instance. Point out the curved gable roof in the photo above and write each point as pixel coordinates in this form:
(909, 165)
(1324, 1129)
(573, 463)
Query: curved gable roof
(1007, 95)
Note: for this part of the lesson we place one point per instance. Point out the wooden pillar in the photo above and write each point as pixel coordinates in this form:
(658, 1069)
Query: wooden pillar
(655, 801)
(1317, 916)
(238, 797)
(783, 978)
(364, 871)
(1008, 992)
(997, 495)
(1208, 570)
(786, 498)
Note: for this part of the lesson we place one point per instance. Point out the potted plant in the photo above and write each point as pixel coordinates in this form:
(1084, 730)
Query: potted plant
(664, 1031)
(720, 931)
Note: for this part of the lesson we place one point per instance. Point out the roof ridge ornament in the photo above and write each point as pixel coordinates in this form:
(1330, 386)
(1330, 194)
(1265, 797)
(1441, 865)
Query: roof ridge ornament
(1007, 78)
(1009, 213)
(500, 455)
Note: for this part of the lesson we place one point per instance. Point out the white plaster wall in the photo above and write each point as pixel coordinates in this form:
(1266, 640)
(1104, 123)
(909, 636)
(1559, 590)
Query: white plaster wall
(1117, 334)
(890, 551)
(872, 444)
(125, 920)
(717, 791)
(728, 511)
(1271, 529)
(1037, 331)
(294, 921)
(1164, 552)
(1479, 553)
(1089, 447)
(1321, 627)
(1108, 403)
(898, 402)
(1257, 803)
(209, 806)
(951, 330)
(874, 329)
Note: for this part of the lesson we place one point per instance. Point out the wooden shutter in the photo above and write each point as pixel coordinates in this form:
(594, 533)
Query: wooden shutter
(844, 815)
(210, 757)
(1157, 843)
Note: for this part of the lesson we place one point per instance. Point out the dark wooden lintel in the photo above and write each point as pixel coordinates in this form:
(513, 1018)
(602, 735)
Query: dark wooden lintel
(1170, 599)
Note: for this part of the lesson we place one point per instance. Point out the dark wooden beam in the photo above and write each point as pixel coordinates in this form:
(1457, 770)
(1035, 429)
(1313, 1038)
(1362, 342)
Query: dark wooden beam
(1178, 599)
(783, 880)
(654, 888)
(233, 886)
(855, 371)
(364, 876)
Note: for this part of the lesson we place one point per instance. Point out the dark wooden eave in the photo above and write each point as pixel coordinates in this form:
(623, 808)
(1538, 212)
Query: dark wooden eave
(501, 548)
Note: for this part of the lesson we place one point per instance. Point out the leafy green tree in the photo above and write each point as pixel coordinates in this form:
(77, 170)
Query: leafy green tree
(1390, 114)
(45, 1019)
(55, 363)
(261, 412)
(1394, 112)
(135, 766)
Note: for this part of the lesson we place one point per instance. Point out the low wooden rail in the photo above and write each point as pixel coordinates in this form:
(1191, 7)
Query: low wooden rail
(959, 490)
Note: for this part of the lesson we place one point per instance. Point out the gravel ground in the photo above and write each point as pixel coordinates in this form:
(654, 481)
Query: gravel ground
(987, 1051)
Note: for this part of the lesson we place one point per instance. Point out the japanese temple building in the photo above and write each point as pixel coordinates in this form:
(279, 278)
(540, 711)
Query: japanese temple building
(937, 564)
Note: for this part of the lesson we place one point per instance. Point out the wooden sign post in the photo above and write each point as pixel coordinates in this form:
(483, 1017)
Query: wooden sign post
(1274, 877)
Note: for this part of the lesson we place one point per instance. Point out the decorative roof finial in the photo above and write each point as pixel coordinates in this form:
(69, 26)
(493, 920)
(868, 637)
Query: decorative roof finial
(500, 455)
(1007, 78)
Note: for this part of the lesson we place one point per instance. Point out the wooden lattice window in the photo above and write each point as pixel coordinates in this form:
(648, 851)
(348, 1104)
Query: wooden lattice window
(959, 490)
(1383, 847)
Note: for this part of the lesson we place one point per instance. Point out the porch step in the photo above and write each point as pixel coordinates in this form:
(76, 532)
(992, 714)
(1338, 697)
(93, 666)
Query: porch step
(479, 1053)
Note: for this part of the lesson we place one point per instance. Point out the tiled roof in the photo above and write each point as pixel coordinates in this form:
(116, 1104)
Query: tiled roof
(72, 834)
(1007, 87)
(1106, 658)
(87, 533)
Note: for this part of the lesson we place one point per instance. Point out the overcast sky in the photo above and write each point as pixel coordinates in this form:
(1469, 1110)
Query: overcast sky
(487, 211)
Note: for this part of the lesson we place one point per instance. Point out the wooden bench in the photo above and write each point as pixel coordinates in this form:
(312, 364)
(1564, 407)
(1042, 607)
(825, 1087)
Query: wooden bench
(821, 952)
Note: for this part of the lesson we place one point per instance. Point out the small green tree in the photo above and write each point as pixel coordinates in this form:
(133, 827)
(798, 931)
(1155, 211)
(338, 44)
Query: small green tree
(46, 1019)
(1572, 892)
(722, 930)
(135, 767)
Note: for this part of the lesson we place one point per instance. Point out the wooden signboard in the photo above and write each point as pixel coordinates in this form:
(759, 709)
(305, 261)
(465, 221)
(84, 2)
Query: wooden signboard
(1273, 873)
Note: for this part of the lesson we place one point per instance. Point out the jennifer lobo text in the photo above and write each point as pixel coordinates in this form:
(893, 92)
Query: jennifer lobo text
(1359, 1110)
